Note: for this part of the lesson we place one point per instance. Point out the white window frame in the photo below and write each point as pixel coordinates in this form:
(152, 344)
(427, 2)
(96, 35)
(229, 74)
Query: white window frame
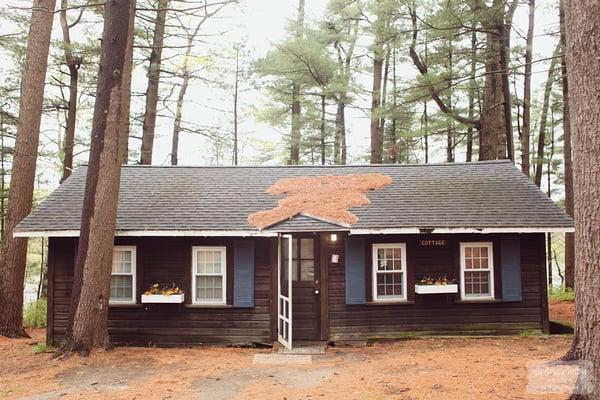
(402, 247)
(223, 273)
(472, 297)
(133, 274)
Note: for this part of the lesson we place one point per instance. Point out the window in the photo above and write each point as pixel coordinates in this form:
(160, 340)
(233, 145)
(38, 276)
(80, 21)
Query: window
(477, 271)
(122, 279)
(209, 269)
(303, 259)
(389, 272)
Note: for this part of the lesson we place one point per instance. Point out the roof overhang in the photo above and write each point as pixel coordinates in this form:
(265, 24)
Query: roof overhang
(428, 230)
(171, 233)
(267, 233)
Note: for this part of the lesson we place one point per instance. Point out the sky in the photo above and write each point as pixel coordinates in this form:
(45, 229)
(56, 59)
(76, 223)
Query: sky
(260, 24)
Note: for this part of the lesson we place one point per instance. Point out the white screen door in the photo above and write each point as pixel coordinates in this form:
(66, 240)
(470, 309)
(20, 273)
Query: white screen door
(284, 303)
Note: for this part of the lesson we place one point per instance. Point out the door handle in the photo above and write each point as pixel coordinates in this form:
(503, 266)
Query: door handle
(316, 291)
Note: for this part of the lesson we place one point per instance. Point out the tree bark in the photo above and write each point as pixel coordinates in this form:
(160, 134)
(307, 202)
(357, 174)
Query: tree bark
(323, 133)
(583, 46)
(296, 107)
(526, 132)
(568, 156)
(91, 286)
(149, 124)
(73, 63)
(235, 106)
(14, 250)
(472, 92)
(375, 109)
(126, 87)
(539, 163)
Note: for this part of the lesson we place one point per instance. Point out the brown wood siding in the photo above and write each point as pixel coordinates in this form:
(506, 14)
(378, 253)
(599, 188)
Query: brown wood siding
(165, 261)
(443, 313)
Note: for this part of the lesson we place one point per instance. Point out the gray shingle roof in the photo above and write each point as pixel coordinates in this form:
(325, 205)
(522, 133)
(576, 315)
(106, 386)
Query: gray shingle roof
(491, 194)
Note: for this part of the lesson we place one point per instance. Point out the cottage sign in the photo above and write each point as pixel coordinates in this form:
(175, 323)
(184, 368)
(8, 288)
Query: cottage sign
(433, 242)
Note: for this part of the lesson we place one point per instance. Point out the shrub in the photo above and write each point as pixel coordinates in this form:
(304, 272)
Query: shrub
(561, 293)
(34, 314)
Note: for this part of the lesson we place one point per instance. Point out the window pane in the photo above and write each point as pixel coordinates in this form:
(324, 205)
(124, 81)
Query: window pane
(294, 270)
(209, 288)
(484, 252)
(121, 287)
(294, 248)
(307, 249)
(477, 283)
(390, 284)
(484, 263)
(307, 270)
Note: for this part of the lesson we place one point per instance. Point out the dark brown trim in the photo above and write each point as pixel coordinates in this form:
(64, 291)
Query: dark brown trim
(229, 260)
(50, 293)
(410, 271)
(544, 284)
(187, 276)
(324, 284)
(390, 303)
(273, 262)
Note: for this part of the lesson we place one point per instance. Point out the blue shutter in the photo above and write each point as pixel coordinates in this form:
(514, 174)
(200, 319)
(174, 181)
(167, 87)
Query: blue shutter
(511, 268)
(243, 273)
(355, 271)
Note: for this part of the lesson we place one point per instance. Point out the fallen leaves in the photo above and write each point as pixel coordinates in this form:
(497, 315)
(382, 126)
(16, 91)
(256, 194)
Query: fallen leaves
(323, 197)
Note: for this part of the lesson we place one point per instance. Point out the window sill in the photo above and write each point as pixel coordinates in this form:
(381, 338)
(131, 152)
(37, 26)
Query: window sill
(478, 301)
(390, 303)
(208, 306)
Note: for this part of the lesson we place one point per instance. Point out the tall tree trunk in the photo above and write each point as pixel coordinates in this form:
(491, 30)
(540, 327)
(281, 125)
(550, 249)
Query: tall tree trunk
(91, 286)
(492, 113)
(450, 121)
(179, 115)
(73, 63)
(375, 109)
(526, 132)
(323, 141)
(394, 152)
(583, 46)
(568, 156)
(544, 117)
(425, 128)
(295, 137)
(472, 93)
(149, 124)
(14, 250)
(386, 72)
(235, 106)
(126, 100)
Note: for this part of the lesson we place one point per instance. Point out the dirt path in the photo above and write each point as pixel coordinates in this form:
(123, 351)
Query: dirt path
(486, 368)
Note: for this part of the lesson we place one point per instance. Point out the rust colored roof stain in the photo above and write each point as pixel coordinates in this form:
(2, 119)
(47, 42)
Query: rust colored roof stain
(323, 197)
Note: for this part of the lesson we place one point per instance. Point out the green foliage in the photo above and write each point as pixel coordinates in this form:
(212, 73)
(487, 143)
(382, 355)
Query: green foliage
(34, 314)
(40, 348)
(561, 293)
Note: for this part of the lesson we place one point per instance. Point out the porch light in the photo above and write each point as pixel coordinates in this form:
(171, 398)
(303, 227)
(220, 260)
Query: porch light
(333, 237)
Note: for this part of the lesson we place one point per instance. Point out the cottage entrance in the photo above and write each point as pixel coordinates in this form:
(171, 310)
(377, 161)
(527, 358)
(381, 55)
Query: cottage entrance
(298, 279)
(305, 287)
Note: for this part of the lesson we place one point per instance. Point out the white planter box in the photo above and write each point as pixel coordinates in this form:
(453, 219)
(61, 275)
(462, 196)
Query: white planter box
(436, 289)
(162, 298)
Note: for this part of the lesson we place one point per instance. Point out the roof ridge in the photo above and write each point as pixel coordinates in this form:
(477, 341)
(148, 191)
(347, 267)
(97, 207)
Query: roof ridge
(419, 165)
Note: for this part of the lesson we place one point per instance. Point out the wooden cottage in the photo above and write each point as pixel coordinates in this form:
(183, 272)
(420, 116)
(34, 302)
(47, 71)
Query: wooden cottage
(448, 248)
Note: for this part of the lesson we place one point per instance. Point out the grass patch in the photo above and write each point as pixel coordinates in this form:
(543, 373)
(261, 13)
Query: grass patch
(561, 294)
(34, 314)
(40, 348)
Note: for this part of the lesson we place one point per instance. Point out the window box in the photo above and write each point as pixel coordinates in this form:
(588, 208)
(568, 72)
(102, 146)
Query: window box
(436, 289)
(163, 298)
